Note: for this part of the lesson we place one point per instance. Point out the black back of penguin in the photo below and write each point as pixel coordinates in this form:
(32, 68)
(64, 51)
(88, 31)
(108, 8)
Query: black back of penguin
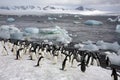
(114, 74)
(64, 62)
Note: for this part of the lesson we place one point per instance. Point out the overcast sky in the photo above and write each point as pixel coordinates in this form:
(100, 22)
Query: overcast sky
(72, 2)
(97, 4)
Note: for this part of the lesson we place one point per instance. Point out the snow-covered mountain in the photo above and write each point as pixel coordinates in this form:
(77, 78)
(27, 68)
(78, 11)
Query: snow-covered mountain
(38, 10)
(49, 7)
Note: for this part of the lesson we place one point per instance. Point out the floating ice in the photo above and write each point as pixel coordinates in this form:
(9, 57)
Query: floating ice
(31, 30)
(10, 19)
(93, 22)
(76, 22)
(117, 19)
(50, 18)
(118, 28)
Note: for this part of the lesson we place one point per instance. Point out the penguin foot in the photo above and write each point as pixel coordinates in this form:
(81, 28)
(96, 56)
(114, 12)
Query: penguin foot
(36, 66)
(63, 69)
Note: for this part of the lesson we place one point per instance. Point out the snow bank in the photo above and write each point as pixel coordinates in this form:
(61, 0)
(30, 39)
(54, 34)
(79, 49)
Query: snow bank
(93, 22)
(90, 47)
(114, 59)
(108, 46)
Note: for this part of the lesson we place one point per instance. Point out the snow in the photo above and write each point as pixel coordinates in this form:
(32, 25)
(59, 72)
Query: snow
(99, 45)
(90, 47)
(93, 22)
(25, 69)
(114, 59)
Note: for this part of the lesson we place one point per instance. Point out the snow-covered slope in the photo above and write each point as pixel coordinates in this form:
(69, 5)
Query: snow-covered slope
(25, 69)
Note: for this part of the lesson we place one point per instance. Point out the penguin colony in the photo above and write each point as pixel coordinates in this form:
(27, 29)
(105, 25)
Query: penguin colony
(53, 52)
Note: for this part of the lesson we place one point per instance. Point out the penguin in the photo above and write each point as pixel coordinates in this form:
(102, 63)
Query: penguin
(108, 61)
(114, 74)
(33, 54)
(18, 54)
(14, 49)
(55, 55)
(34, 57)
(64, 63)
(4, 51)
(83, 65)
(38, 63)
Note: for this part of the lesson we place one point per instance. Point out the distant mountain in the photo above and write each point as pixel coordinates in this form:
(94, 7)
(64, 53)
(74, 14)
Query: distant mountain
(33, 7)
(52, 8)
(81, 8)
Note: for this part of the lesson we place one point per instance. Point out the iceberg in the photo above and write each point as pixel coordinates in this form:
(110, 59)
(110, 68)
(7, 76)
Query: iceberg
(118, 28)
(4, 34)
(50, 18)
(9, 28)
(93, 22)
(31, 30)
(10, 19)
(58, 34)
(18, 36)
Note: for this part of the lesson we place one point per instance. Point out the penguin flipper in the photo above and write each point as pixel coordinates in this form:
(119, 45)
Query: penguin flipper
(118, 75)
(78, 64)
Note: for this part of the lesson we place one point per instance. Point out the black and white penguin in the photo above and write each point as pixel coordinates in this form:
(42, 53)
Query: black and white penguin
(83, 65)
(108, 61)
(55, 57)
(38, 63)
(18, 54)
(114, 74)
(5, 51)
(33, 54)
(64, 63)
